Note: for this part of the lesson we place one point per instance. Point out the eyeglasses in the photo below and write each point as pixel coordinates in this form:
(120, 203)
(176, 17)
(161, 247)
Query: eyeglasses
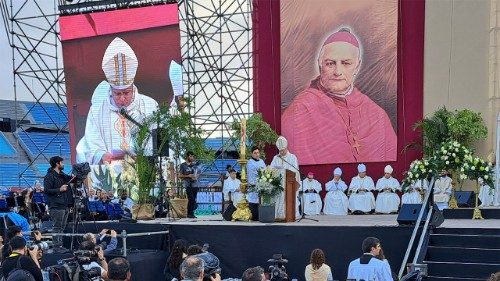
(124, 93)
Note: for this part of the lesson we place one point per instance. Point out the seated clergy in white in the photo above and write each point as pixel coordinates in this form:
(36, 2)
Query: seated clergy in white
(336, 202)
(442, 190)
(412, 193)
(387, 199)
(486, 194)
(231, 188)
(311, 189)
(361, 198)
(285, 160)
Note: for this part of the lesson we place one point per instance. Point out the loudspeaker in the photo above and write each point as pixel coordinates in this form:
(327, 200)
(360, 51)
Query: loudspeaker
(408, 215)
(464, 198)
(158, 135)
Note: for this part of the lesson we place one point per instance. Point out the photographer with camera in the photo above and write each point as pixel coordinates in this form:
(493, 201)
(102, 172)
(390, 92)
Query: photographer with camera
(91, 258)
(22, 263)
(98, 238)
(56, 184)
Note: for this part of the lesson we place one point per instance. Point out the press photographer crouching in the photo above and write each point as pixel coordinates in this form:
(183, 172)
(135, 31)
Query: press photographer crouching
(22, 262)
(91, 258)
(99, 238)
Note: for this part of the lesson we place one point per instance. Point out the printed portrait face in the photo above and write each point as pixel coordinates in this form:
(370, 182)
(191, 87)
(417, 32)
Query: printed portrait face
(339, 64)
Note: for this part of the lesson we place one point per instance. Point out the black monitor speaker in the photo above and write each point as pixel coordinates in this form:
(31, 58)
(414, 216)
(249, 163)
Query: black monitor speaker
(408, 215)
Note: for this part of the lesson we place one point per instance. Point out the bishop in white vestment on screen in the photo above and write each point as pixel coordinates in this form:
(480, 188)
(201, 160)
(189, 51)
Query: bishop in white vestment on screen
(387, 198)
(312, 200)
(361, 198)
(285, 160)
(336, 202)
(107, 132)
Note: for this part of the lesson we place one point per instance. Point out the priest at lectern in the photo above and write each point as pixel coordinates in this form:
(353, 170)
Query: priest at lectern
(285, 160)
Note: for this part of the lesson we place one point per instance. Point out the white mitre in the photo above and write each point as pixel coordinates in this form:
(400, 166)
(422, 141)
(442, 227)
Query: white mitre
(119, 64)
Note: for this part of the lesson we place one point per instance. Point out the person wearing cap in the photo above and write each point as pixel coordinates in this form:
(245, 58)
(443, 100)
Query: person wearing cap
(285, 160)
(332, 121)
(108, 131)
(442, 190)
(387, 200)
(361, 199)
(336, 202)
(23, 258)
(231, 189)
(311, 189)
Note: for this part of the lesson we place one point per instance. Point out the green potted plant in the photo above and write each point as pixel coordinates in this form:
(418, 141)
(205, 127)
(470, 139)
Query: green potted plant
(182, 136)
(259, 133)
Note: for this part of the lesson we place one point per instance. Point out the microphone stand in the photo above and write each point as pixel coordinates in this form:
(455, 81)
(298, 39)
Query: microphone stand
(302, 201)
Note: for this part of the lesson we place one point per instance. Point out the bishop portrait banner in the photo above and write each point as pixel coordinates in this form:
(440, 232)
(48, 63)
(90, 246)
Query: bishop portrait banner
(339, 80)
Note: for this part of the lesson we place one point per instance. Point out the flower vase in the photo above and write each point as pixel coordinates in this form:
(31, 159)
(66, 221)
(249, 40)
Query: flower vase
(266, 210)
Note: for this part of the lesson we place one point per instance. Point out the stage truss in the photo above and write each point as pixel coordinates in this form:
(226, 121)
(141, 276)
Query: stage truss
(216, 46)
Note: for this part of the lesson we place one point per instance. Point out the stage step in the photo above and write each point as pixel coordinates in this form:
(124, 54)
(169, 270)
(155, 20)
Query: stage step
(463, 254)
(457, 254)
(466, 213)
(461, 269)
(436, 278)
(466, 241)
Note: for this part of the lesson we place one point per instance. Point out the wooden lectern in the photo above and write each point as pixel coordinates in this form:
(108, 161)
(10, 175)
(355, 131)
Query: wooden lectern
(291, 187)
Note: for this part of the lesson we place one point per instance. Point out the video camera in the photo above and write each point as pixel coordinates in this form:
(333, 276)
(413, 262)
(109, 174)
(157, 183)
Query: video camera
(81, 170)
(73, 268)
(277, 270)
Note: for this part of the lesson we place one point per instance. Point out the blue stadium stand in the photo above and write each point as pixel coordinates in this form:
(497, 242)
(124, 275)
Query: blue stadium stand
(6, 149)
(10, 175)
(50, 143)
(48, 114)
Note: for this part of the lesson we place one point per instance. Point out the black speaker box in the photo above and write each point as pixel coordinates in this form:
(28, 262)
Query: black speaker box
(408, 215)
(465, 198)
(158, 135)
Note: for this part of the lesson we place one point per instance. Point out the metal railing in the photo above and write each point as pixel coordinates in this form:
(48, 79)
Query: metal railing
(417, 269)
(123, 235)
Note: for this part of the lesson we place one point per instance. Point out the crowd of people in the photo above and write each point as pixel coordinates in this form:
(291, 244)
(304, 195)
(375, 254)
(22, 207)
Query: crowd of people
(204, 266)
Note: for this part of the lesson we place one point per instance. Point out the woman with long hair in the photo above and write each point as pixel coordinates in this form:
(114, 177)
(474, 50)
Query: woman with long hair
(317, 269)
(177, 255)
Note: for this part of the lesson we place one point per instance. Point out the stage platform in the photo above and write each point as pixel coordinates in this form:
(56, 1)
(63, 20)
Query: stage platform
(240, 245)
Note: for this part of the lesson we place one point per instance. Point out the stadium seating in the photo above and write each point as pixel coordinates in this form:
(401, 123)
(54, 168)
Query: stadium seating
(49, 114)
(16, 175)
(6, 149)
(47, 143)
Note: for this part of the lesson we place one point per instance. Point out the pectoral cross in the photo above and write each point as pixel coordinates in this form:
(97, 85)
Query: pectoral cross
(356, 144)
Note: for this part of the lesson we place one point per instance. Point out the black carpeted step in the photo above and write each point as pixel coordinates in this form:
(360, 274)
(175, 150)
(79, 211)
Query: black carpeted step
(436, 278)
(466, 241)
(461, 270)
(454, 254)
(468, 231)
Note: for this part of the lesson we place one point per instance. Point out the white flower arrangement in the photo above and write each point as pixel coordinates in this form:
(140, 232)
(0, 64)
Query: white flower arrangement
(268, 183)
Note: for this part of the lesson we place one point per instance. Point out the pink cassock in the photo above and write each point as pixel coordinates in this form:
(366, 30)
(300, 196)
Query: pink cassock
(324, 129)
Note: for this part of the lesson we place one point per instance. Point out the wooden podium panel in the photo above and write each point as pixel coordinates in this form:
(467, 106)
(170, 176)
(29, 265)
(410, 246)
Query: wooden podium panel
(291, 186)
